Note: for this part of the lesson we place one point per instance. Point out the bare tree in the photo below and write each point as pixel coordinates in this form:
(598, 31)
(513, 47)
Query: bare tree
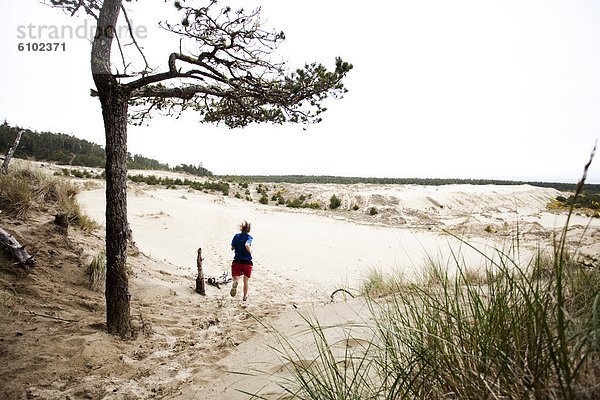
(223, 70)
(10, 152)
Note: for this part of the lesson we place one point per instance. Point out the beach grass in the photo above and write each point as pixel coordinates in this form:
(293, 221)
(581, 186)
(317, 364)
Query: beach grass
(518, 333)
(511, 329)
(24, 190)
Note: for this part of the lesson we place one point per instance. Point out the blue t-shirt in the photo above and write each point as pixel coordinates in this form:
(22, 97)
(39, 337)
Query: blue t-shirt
(239, 244)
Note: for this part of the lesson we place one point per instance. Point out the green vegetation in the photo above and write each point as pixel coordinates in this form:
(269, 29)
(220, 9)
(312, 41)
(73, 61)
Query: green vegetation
(299, 202)
(69, 150)
(373, 211)
(81, 173)
(264, 199)
(218, 186)
(193, 170)
(23, 191)
(334, 202)
(261, 189)
(584, 200)
(565, 187)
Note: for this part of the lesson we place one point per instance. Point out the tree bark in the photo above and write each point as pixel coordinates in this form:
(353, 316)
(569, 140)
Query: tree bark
(200, 288)
(114, 111)
(10, 153)
(16, 249)
(114, 101)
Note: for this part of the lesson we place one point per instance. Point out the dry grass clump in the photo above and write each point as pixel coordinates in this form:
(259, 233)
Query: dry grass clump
(16, 197)
(23, 191)
(96, 272)
(375, 283)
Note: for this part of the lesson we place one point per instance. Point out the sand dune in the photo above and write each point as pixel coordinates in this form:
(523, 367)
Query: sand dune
(188, 346)
(320, 250)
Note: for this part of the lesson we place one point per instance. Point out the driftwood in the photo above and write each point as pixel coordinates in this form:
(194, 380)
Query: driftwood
(200, 288)
(219, 280)
(10, 153)
(17, 251)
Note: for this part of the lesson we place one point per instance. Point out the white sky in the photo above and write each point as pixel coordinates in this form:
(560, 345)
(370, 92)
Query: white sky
(457, 89)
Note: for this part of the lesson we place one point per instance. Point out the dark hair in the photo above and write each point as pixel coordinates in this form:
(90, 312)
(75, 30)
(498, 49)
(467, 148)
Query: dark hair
(245, 227)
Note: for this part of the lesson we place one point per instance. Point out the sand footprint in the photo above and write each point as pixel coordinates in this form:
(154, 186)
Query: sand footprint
(351, 343)
(292, 366)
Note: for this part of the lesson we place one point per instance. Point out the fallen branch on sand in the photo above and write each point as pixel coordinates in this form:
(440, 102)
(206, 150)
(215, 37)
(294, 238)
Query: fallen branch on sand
(341, 290)
(17, 251)
(219, 280)
(51, 317)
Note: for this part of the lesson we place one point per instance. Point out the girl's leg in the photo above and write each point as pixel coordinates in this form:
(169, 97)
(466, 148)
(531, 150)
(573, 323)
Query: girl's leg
(234, 285)
(246, 279)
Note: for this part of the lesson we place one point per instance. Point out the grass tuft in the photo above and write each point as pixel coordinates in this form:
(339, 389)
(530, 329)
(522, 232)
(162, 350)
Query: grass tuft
(96, 272)
(25, 190)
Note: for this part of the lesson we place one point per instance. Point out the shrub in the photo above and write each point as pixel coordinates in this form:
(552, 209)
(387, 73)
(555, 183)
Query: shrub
(263, 199)
(355, 207)
(334, 202)
(295, 203)
(373, 211)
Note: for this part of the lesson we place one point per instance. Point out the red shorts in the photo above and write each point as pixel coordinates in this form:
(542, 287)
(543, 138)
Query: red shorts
(238, 269)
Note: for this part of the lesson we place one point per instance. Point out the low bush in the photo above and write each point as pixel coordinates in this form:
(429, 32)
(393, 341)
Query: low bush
(334, 202)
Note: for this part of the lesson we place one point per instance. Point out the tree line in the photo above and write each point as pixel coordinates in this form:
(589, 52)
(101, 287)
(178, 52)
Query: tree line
(69, 150)
(563, 187)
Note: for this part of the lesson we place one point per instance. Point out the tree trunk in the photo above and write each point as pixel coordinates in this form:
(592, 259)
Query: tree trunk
(10, 153)
(200, 288)
(113, 99)
(114, 111)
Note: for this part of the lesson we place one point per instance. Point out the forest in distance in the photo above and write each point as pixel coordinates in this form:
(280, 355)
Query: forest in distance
(66, 149)
(69, 150)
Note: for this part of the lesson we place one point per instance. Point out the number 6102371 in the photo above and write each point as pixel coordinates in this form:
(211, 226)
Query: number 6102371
(44, 46)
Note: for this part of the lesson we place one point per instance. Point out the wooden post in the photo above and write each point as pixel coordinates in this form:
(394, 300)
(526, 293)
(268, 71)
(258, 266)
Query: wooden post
(10, 153)
(200, 279)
